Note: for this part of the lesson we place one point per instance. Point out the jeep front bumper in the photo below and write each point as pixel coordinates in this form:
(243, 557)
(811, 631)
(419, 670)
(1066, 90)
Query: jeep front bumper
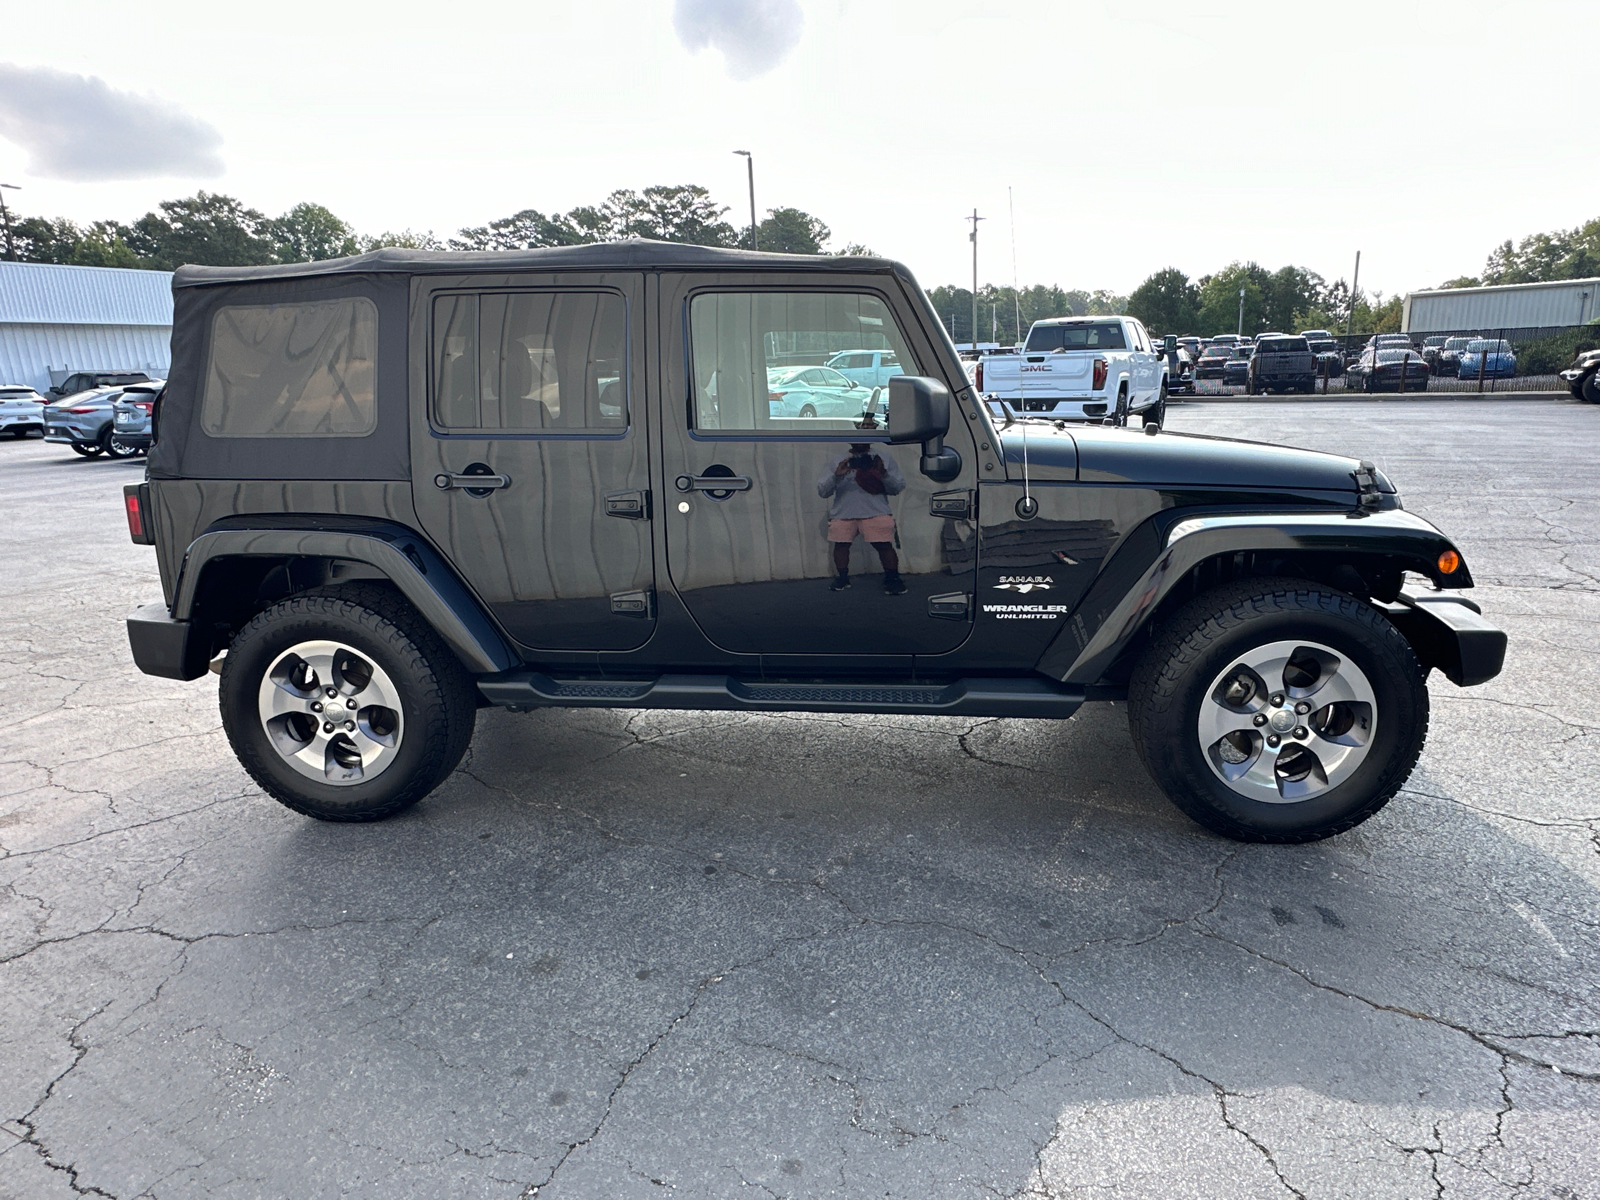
(1448, 632)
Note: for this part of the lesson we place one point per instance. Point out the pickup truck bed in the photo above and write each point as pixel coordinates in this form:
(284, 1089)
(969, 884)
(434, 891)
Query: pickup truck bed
(1284, 364)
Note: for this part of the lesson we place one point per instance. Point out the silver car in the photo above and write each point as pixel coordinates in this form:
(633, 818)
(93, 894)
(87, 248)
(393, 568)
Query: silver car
(131, 415)
(84, 421)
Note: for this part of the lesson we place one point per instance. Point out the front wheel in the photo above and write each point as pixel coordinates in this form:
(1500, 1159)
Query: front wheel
(1276, 710)
(344, 705)
(1591, 388)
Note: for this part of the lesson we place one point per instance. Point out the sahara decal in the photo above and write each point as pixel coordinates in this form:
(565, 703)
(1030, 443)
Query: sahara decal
(1024, 583)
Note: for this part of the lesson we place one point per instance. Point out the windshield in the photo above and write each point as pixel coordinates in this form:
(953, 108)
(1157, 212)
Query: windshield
(1107, 336)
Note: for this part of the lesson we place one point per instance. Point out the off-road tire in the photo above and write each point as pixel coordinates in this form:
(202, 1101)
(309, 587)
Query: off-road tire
(438, 699)
(1197, 643)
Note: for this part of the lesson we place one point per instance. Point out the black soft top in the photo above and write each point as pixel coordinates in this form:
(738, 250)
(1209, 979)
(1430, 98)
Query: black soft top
(635, 254)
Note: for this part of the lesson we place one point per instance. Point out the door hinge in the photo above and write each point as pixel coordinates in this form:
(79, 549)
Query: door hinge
(635, 506)
(952, 606)
(952, 505)
(633, 604)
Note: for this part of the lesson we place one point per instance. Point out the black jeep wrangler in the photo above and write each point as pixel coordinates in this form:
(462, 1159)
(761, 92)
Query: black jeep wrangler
(387, 491)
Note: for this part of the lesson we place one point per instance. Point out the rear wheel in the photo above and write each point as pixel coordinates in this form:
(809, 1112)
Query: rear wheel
(344, 705)
(1276, 710)
(807, 411)
(116, 447)
(88, 449)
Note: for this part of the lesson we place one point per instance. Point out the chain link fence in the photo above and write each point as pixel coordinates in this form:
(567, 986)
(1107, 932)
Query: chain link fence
(1462, 360)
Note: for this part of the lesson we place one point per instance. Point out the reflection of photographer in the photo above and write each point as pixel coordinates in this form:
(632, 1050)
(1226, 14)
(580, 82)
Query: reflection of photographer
(861, 485)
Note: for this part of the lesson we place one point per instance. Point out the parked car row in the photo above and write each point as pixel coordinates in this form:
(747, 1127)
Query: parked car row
(111, 420)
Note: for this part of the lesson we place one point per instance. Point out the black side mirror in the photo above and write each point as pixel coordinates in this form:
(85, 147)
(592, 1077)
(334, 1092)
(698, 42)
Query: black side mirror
(1170, 343)
(919, 411)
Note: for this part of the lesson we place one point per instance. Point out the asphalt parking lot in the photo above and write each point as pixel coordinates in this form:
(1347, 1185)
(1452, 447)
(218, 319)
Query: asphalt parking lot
(703, 955)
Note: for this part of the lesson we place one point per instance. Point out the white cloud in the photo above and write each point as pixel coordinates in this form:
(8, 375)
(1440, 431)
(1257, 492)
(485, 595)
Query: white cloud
(79, 128)
(753, 35)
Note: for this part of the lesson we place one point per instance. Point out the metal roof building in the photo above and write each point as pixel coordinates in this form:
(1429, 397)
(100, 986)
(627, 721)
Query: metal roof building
(1504, 306)
(56, 320)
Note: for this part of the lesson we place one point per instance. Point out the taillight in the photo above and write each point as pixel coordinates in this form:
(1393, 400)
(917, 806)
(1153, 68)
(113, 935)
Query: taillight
(81, 411)
(1100, 370)
(774, 397)
(136, 504)
(977, 376)
(147, 405)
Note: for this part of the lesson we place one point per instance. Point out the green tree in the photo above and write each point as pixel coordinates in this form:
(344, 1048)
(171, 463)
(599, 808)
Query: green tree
(1540, 257)
(310, 233)
(790, 231)
(1288, 294)
(206, 228)
(42, 240)
(858, 250)
(406, 239)
(684, 213)
(1166, 302)
(1219, 299)
(529, 229)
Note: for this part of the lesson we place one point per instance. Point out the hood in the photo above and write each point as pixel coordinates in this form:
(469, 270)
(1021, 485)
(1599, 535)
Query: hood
(1105, 454)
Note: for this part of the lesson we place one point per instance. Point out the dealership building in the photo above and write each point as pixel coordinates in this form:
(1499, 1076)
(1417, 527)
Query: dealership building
(1560, 303)
(56, 320)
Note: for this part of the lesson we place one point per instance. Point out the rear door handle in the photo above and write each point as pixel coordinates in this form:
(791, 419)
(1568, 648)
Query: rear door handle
(712, 483)
(480, 485)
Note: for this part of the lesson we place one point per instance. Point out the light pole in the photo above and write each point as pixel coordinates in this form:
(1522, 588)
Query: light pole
(750, 163)
(975, 218)
(1241, 312)
(5, 216)
(1350, 321)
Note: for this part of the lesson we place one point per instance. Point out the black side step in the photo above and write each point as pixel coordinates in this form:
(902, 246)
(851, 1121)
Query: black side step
(1034, 696)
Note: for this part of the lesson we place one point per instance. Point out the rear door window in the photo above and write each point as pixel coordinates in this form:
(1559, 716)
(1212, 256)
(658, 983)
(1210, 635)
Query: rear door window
(530, 362)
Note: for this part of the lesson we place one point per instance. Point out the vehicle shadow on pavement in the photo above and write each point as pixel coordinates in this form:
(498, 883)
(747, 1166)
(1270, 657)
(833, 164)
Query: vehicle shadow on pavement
(827, 955)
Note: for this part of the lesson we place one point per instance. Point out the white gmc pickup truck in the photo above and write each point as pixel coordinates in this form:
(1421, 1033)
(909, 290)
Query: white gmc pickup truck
(1081, 369)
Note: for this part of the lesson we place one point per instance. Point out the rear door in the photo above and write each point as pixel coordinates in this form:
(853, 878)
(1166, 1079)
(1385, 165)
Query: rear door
(535, 384)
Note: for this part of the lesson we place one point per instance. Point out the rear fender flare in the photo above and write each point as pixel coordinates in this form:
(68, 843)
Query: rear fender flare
(1157, 555)
(398, 554)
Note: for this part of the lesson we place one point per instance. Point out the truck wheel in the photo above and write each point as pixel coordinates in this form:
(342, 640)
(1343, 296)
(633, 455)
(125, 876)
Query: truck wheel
(1591, 388)
(344, 705)
(1277, 710)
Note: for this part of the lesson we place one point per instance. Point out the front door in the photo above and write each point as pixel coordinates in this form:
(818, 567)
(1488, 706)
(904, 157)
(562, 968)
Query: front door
(824, 539)
(536, 386)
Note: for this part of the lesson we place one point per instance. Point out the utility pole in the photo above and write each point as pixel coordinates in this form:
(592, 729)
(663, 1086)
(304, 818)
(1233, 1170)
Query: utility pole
(5, 216)
(1350, 322)
(1241, 312)
(750, 163)
(975, 218)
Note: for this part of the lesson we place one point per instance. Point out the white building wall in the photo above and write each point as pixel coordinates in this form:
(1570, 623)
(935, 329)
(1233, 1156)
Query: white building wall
(28, 352)
(1512, 306)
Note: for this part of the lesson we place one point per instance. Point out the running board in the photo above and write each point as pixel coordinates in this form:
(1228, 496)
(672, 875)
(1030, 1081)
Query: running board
(1023, 697)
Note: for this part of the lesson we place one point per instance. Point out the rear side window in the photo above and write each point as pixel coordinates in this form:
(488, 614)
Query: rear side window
(755, 354)
(292, 370)
(1107, 336)
(530, 362)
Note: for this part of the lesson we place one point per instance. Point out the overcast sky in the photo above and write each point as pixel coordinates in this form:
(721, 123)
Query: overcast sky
(1135, 136)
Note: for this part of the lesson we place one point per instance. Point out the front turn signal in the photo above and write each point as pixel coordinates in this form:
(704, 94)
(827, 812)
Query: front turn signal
(1449, 562)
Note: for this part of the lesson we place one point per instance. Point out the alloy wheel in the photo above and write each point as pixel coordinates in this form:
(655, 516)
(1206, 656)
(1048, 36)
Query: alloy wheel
(1286, 721)
(331, 713)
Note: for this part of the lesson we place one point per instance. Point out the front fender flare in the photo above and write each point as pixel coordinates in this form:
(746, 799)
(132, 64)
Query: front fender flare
(401, 555)
(1162, 551)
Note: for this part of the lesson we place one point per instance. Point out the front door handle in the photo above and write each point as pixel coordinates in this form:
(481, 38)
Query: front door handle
(712, 483)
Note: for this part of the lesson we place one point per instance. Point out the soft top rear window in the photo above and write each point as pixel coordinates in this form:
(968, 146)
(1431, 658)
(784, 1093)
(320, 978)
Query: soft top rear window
(292, 370)
(1097, 336)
